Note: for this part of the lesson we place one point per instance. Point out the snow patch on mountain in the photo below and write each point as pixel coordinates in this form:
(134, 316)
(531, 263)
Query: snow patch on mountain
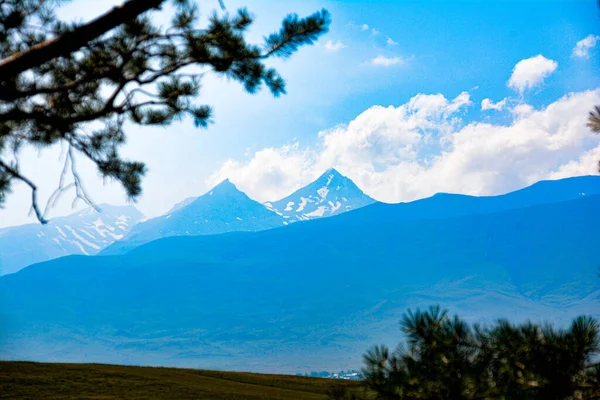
(323, 191)
(84, 232)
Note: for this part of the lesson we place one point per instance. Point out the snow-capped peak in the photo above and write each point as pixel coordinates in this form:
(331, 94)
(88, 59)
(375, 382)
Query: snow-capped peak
(331, 193)
(224, 208)
(225, 186)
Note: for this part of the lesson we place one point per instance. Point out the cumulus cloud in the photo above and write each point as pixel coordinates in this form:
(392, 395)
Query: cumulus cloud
(582, 48)
(334, 46)
(384, 61)
(522, 110)
(531, 72)
(488, 104)
(586, 164)
(423, 146)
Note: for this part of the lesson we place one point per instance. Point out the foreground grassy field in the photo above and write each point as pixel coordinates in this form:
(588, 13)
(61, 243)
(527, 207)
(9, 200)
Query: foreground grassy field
(27, 380)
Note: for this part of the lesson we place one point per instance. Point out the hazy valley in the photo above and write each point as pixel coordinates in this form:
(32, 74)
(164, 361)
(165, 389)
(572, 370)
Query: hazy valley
(247, 291)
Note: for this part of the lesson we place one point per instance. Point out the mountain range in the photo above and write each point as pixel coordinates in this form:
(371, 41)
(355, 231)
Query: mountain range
(222, 209)
(227, 209)
(85, 232)
(315, 294)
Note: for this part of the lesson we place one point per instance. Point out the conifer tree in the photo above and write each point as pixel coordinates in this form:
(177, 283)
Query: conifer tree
(594, 118)
(78, 84)
(594, 123)
(445, 358)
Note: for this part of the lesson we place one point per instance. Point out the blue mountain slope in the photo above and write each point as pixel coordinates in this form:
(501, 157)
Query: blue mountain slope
(226, 209)
(222, 209)
(84, 232)
(443, 205)
(306, 296)
(331, 194)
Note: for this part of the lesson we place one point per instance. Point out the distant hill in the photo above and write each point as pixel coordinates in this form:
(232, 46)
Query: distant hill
(25, 380)
(311, 295)
(331, 194)
(84, 232)
(223, 209)
(444, 205)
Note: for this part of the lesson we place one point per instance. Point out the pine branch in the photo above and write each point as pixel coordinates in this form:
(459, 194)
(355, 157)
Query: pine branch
(137, 73)
(71, 41)
(594, 120)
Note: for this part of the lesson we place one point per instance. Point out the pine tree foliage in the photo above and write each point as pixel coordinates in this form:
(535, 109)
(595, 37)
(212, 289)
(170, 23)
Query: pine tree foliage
(446, 358)
(79, 84)
(594, 123)
(594, 118)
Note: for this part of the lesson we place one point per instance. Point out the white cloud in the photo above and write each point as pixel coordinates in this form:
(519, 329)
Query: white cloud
(270, 170)
(586, 164)
(334, 46)
(390, 42)
(365, 28)
(423, 146)
(384, 61)
(531, 72)
(462, 100)
(522, 110)
(488, 104)
(582, 48)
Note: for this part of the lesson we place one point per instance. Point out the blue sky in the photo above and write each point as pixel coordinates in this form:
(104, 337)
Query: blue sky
(396, 152)
(449, 47)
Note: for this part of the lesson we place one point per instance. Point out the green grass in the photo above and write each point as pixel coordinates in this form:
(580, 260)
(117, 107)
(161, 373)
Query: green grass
(28, 380)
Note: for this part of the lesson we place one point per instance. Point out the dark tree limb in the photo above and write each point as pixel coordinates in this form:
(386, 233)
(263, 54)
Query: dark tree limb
(34, 202)
(83, 83)
(72, 41)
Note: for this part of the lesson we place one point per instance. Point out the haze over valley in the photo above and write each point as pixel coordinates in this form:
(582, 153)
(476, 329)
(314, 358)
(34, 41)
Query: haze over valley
(225, 282)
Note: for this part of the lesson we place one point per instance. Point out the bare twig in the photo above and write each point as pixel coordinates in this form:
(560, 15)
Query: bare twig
(80, 191)
(61, 186)
(34, 203)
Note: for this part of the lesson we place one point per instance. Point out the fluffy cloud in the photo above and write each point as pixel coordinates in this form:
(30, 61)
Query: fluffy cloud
(488, 104)
(582, 48)
(384, 61)
(586, 164)
(334, 46)
(270, 171)
(522, 110)
(424, 146)
(531, 72)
